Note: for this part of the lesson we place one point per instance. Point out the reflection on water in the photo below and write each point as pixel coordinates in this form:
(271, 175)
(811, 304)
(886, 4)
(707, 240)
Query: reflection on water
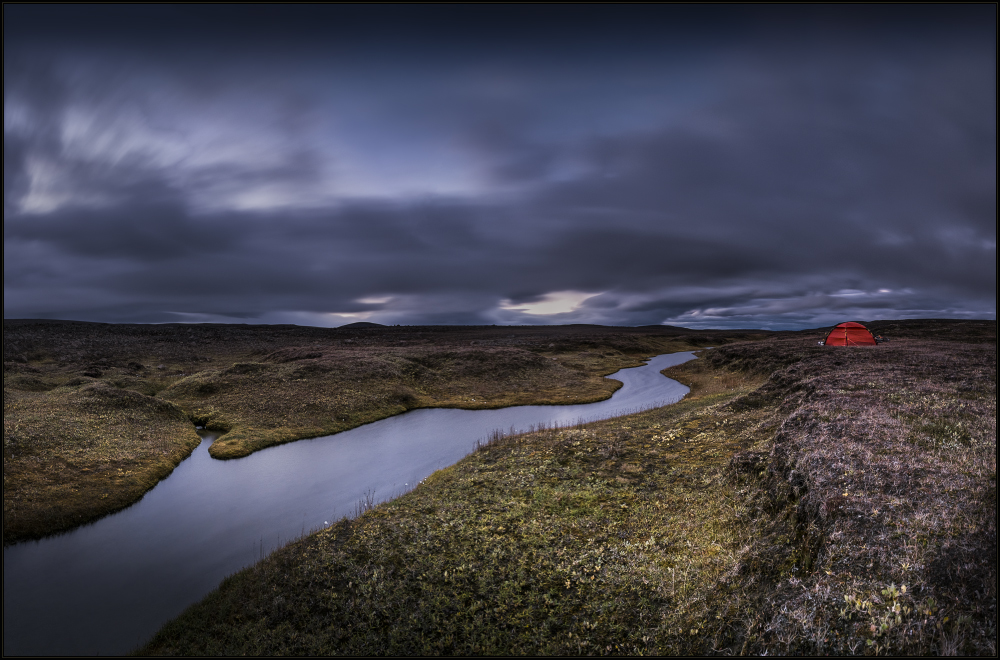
(107, 587)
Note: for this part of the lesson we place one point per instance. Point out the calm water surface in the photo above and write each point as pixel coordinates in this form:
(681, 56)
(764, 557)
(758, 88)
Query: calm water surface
(107, 587)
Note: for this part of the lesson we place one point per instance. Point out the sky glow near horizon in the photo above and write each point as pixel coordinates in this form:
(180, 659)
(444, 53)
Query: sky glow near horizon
(719, 166)
(557, 302)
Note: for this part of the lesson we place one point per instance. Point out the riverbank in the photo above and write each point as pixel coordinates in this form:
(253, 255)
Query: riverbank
(95, 414)
(802, 499)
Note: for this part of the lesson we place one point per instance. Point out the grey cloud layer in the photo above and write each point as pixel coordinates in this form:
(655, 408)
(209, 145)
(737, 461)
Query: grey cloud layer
(766, 183)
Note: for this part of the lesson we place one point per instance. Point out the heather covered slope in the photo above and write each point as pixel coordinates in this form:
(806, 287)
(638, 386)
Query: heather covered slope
(875, 499)
(803, 499)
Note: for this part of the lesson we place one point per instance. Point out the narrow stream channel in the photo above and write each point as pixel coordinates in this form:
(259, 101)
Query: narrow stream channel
(107, 587)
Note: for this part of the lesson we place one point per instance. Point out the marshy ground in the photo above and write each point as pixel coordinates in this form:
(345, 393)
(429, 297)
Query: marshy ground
(95, 414)
(802, 500)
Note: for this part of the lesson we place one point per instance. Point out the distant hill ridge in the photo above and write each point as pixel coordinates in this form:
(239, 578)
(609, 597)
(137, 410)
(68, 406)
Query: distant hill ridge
(362, 324)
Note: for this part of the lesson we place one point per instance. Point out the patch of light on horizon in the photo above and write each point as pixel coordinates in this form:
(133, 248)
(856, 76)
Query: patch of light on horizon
(374, 300)
(850, 293)
(557, 302)
(348, 316)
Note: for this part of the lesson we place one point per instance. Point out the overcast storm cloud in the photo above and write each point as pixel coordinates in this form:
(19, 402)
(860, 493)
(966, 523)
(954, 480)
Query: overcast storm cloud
(715, 166)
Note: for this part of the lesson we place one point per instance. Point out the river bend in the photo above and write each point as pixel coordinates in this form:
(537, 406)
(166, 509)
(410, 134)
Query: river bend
(107, 587)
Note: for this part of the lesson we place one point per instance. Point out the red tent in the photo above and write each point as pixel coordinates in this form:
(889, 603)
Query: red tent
(850, 334)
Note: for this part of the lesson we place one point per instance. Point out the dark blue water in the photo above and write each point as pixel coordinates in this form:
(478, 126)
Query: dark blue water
(107, 587)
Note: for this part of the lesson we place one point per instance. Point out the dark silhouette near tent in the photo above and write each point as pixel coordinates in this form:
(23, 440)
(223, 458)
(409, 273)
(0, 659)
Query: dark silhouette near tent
(850, 334)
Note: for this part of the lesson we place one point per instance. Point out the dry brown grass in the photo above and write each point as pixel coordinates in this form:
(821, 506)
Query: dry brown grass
(293, 393)
(95, 415)
(75, 453)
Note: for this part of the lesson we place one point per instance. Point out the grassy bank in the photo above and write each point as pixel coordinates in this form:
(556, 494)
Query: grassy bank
(95, 414)
(82, 450)
(802, 499)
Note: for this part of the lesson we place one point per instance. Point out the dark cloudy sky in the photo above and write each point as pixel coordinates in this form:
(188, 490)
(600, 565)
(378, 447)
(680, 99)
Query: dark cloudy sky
(703, 166)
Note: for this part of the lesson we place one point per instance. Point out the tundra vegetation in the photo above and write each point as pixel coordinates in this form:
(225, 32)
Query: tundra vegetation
(95, 414)
(801, 500)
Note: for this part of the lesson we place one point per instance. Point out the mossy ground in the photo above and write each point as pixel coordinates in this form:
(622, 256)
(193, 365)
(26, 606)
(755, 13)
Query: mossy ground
(552, 542)
(802, 500)
(95, 415)
(80, 451)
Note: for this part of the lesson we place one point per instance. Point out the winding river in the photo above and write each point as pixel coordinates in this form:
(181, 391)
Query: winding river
(107, 587)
